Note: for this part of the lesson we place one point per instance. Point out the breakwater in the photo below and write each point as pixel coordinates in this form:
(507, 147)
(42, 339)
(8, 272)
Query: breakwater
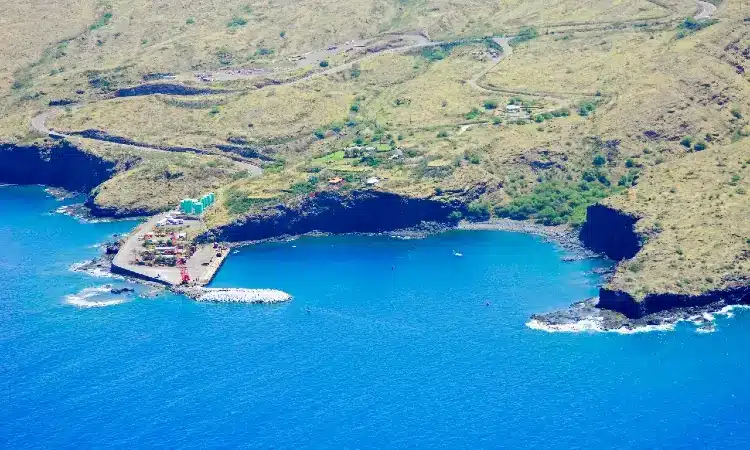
(235, 295)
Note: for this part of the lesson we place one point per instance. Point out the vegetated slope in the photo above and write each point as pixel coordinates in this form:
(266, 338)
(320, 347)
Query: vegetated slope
(616, 90)
(693, 221)
(116, 42)
(29, 29)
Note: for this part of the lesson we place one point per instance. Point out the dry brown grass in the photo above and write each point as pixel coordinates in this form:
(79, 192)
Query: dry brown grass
(649, 80)
(694, 211)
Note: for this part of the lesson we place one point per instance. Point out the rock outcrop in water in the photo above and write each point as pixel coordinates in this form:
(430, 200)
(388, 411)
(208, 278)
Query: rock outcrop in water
(335, 212)
(57, 164)
(612, 232)
(626, 304)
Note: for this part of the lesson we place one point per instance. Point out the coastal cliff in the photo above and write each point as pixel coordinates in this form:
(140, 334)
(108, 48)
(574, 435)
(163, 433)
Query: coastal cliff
(58, 164)
(610, 232)
(624, 303)
(334, 212)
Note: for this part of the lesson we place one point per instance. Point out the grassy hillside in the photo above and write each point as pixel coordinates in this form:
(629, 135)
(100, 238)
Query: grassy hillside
(627, 98)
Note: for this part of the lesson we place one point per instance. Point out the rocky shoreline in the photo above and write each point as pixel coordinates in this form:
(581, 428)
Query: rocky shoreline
(586, 316)
(564, 236)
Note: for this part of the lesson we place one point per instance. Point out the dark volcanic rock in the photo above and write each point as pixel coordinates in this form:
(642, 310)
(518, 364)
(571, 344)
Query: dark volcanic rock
(335, 212)
(163, 88)
(610, 232)
(58, 164)
(655, 303)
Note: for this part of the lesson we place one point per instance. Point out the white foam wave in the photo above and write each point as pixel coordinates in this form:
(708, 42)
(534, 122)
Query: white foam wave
(594, 325)
(704, 322)
(83, 299)
(97, 272)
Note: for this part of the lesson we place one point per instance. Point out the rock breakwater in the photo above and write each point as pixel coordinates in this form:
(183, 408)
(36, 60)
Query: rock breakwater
(235, 295)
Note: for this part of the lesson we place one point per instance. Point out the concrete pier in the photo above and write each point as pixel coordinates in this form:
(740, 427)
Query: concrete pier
(201, 265)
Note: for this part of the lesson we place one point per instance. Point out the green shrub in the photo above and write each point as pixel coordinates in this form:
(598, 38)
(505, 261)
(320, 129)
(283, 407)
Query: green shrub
(102, 21)
(699, 146)
(237, 22)
(305, 187)
(478, 211)
(472, 157)
(214, 110)
(436, 53)
(563, 112)
(239, 203)
(629, 163)
(455, 216)
(599, 160)
(282, 34)
(225, 57)
(539, 118)
(324, 63)
(687, 141)
(319, 133)
(442, 134)
(497, 120)
(354, 107)
(264, 52)
(586, 108)
(190, 21)
(554, 202)
(524, 35)
(490, 104)
(690, 26)
(736, 112)
(372, 161)
(473, 114)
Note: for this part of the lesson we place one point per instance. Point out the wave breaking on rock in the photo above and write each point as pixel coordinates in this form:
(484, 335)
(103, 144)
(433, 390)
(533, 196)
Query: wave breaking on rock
(586, 317)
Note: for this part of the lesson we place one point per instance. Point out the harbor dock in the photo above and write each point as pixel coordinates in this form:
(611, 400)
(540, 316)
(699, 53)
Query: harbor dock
(173, 258)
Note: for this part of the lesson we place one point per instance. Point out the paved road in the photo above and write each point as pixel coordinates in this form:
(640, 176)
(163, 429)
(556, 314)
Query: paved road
(39, 123)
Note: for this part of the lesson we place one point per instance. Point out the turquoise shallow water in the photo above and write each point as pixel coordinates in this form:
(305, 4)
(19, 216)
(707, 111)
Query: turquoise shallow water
(398, 350)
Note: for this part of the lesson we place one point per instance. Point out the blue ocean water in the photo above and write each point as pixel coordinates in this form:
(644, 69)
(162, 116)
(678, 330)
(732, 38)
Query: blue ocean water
(398, 349)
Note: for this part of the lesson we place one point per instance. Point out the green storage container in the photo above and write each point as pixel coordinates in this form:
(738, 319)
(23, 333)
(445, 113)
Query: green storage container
(186, 206)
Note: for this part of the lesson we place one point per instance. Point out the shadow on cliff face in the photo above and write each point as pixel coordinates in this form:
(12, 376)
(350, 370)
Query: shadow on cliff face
(334, 212)
(610, 232)
(58, 164)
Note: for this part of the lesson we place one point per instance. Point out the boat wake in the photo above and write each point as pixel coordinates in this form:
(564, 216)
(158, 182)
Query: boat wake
(93, 297)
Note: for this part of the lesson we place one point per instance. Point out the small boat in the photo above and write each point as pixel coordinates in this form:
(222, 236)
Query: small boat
(235, 252)
(455, 253)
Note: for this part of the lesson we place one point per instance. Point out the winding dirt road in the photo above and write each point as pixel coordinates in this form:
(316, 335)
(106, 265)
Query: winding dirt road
(38, 123)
